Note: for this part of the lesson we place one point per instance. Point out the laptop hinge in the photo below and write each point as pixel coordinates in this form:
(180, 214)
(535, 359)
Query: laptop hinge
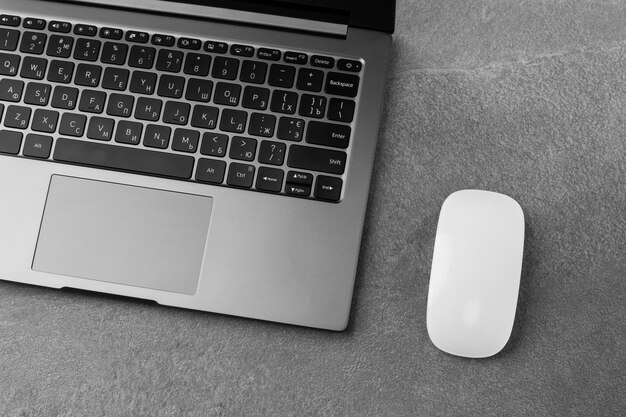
(230, 15)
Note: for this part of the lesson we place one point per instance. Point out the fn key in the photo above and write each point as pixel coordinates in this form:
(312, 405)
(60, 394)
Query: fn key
(328, 188)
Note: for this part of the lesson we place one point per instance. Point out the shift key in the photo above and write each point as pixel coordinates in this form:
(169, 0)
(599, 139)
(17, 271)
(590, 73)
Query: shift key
(316, 159)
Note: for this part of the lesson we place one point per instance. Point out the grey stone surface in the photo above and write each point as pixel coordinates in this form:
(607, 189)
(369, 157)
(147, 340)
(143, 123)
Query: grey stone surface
(527, 98)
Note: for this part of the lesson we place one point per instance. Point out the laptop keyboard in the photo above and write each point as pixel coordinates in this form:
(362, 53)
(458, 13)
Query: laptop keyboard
(234, 115)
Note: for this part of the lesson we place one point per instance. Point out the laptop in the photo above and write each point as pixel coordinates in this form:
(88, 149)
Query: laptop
(208, 155)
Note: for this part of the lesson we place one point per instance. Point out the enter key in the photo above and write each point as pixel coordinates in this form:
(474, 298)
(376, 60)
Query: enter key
(328, 134)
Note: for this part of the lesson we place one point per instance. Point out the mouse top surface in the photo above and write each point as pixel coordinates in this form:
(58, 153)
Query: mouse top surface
(475, 275)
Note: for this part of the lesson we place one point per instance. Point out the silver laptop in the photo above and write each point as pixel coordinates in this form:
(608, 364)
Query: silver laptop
(210, 155)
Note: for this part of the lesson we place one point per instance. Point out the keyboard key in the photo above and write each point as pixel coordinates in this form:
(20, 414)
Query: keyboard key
(37, 146)
(295, 58)
(316, 159)
(111, 33)
(115, 78)
(328, 188)
(312, 106)
(225, 68)
(32, 23)
(262, 125)
(299, 177)
(210, 170)
(253, 72)
(341, 110)
(85, 30)
(272, 153)
(197, 64)
(216, 47)
(73, 124)
(138, 37)
(9, 39)
(120, 105)
(33, 43)
(92, 101)
(342, 84)
(9, 64)
(214, 144)
(242, 148)
(171, 86)
(242, 50)
(34, 68)
(255, 98)
(114, 53)
(322, 61)
(100, 128)
(143, 82)
(157, 136)
(169, 60)
(298, 190)
(61, 71)
(270, 179)
(269, 54)
(204, 117)
(61, 27)
(310, 80)
(281, 76)
(141, 57)
(37, 94)
(88, 75)
(17, 117)
(163, 40)
(328, 134)
(10, 20)
(227, 94)
(199, 90)
(349, 65)
(176, 113)
(124, 158)
(60, 46)
(45, 120)
(64, 98)
(10, 142)
(128, 132)
(148, 109)
(189, 43)
(290, 129)
(87, 49)
(185, 140)
(11, 90)
(284, 101)
(233, 121)
(240, 175)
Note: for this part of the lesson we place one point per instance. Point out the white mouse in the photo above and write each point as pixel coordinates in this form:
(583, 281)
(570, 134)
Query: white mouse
(475, 275)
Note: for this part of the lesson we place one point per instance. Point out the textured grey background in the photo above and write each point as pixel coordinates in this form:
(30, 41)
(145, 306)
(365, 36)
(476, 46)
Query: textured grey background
(527, 98)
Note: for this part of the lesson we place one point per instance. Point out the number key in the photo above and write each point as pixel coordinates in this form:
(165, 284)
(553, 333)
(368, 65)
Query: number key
(141, 57)
(225, 68)
(60, 46)
(33, 42)
(8, 39)
(87, 49)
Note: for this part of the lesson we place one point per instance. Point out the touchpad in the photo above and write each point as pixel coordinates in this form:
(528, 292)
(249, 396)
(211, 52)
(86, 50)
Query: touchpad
(123, 234)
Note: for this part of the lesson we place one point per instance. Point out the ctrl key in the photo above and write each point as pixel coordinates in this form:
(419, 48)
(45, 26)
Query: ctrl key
(10, 142)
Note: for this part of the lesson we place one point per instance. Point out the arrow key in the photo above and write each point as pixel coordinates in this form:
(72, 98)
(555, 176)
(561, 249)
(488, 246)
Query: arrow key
(269, 179)
(299, 177)
(328, 188)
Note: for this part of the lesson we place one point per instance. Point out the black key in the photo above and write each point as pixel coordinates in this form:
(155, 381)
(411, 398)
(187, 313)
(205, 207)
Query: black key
(242, 50)
(11, 90)
(176, 113)
(61, 71)
(148, 109)
(143, 82)
(342, 84)
(316, 159)
(114, 53)
(242, 148)
(210, 170)
(225, 68)
(60, 46)
(37, 146)
(199, 90)
(141, 57)
(272, 153)
(128, 132)
(297, 190)
(61, 27)
(100, 128)
(204, 117)
(37, 94)
(124, 158)
(328, 188)
(240, 175)
(312, 106)
(88, 75)
(295, 58)
(92, 101)
(185, 140)
(111, 33)
(281, 76)
(1, 110)
(270, 179)
(227, 94)
(169, 60)
(253, 72)
(284, 101)
(138, 37)
(9, 64)
(64, 98)
(45, 120)
(328, 134)
(73, 124)
(189, 43)
(87, 49)
(17, 117)
(341, 110)
(10, 142)
(9, 39)
(33, 42)
(216, 47)
(233, 121)
(349, 65)
(262, 125)
(85, 30)
(171, 86)
(115, 79)
(197, 64)
(163, 40)
(290, 129)
(157, 136)
(310, 79)
(255, 98)
(120, 105)
(32, 23)
(214, 144)
(299, 177)
(322, 61)
(34, 68)
(10, 20)
(269, 54)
